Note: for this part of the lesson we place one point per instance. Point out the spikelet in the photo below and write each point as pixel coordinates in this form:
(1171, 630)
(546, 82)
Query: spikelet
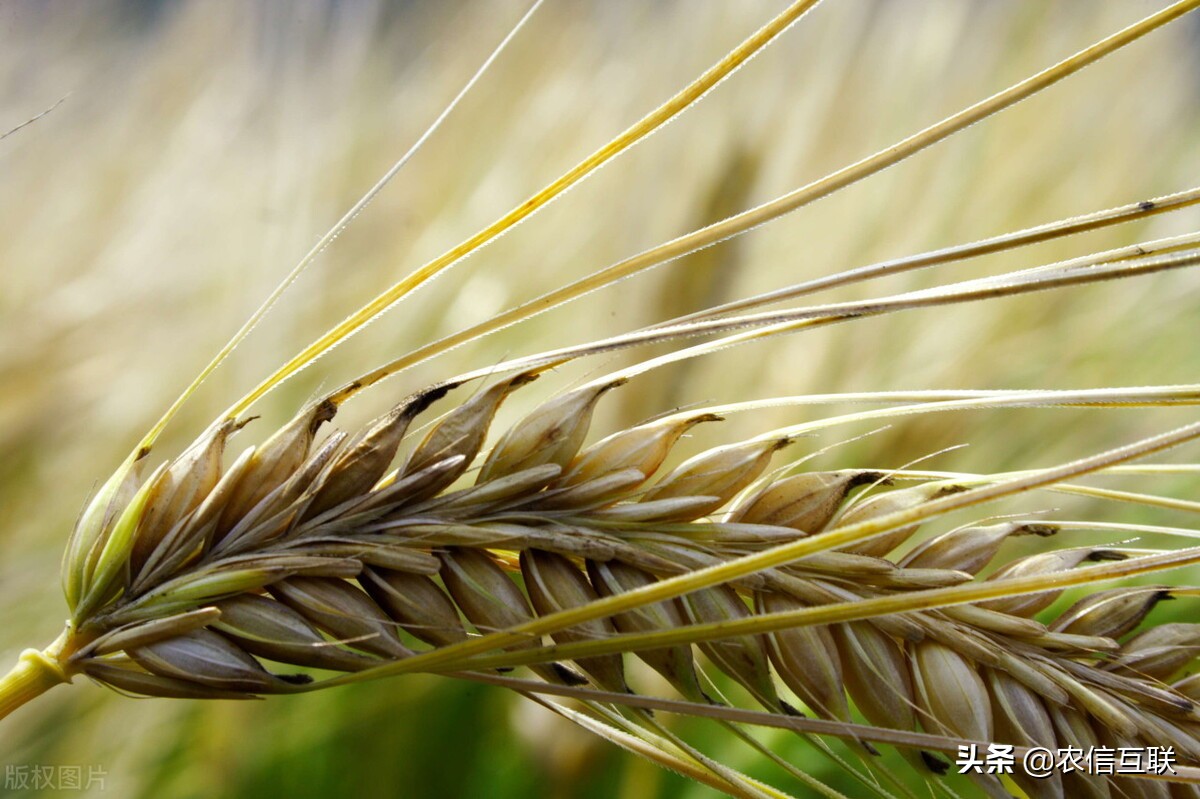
(1043, 563)
(675, 663)
(416, 603)
(207, 658)
(882, 505)
(807, 660)
(272, 630)
(344, 612)
(718, 475)
(487, 596)
(552, 434)
(743, 657)
(555, 584)
(968, 549)
(877, 675)
(805, 502)
(1021, 717)
(1160, 652)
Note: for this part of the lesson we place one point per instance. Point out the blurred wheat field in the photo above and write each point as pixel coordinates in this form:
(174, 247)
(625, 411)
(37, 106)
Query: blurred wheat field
(204, 146)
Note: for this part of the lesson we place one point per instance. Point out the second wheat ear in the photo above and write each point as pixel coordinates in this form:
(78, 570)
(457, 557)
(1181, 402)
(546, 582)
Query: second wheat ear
(316, 558)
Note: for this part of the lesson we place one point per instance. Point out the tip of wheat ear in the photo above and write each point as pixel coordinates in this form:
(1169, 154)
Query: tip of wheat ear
(313, 555)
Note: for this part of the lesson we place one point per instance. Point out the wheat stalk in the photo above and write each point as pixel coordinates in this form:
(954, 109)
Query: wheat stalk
(321, 554)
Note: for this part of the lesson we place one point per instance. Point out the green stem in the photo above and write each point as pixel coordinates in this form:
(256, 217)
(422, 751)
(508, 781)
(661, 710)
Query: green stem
(35, 673)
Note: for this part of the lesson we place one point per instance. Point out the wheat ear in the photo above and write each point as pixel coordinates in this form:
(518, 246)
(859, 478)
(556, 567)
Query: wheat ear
(320, 557)
(393, 550)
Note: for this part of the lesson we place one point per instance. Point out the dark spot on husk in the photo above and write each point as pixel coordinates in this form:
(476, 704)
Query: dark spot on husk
(863, 478)
(934, 763)
(567, 675)
(239, 424)
(295, 679)
(324, 412)
(423, 399)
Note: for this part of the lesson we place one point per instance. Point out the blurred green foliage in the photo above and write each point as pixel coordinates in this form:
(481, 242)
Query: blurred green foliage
(205, 144)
